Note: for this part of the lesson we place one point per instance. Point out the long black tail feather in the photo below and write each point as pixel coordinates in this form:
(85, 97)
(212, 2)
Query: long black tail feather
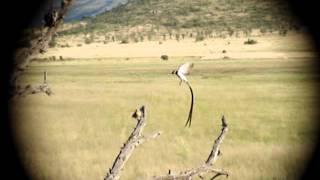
(191, 107)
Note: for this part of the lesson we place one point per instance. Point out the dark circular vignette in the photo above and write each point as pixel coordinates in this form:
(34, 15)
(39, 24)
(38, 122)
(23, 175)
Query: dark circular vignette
(307, 12)
(19, 15)
(15, 16)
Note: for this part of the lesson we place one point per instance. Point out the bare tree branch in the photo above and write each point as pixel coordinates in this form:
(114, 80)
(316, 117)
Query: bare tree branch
(37, 45)
(207, 166)
(216, 146)
(29, 89)
(135, 139)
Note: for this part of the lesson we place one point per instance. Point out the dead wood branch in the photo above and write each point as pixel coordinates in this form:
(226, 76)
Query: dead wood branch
(207, 166)
(29, 89)
(37, 45)
(135, 139)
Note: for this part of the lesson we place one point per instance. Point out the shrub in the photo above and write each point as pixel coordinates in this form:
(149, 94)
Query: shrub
(177, 37)
(199, 38)
(283, 32)
(88, 40)
(250, 41)
(164, 57)
(141, 38)
(164, 37)
(136, 39)
(124, 41)
(226, 57)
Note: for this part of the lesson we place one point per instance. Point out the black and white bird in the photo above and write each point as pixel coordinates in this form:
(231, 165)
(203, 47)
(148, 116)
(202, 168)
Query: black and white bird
(182, 71)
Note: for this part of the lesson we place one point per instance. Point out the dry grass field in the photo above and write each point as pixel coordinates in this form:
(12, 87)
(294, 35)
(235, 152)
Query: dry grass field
(77, 132)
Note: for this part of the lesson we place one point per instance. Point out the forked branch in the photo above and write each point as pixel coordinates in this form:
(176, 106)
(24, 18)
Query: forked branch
(205, 168)
(135, 139)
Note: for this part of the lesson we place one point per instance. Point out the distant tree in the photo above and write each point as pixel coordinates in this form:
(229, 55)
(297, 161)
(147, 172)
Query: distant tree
(199, 37)
(177, 37)
(149, 36)
(164, 37)
(230, 31)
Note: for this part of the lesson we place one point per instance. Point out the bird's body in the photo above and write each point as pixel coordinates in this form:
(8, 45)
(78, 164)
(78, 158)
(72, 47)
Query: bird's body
(182, 77)
(182, 71)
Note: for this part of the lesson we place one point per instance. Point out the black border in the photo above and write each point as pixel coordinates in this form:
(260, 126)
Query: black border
(16, 15)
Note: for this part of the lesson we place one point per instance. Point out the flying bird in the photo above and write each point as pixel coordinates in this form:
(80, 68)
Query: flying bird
(182, 71)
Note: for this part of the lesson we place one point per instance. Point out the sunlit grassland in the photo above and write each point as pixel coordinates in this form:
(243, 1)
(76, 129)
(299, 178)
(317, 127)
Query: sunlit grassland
(77, 132)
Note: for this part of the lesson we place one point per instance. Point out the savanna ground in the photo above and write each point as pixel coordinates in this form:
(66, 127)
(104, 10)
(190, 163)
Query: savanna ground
(77, 132)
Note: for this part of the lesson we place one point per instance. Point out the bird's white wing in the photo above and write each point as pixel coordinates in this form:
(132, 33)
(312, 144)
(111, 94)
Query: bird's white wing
(185, 68)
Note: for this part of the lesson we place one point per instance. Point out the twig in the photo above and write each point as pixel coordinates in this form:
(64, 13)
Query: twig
(135, 139)
(207, 166)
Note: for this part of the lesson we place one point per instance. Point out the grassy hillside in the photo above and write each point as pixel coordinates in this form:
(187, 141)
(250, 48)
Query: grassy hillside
(189, 18)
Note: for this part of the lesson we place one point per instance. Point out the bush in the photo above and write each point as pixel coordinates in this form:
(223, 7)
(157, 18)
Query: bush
(164, 57)
(250, 41)
(283, 32)
(225, 57)
(177, 37)
(65, 45)
(88, 40)
(124, 41)
(199, 38)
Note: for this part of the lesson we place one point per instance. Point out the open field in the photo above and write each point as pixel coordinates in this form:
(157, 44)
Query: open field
(102, 68)
(294, 45)
(77, 132)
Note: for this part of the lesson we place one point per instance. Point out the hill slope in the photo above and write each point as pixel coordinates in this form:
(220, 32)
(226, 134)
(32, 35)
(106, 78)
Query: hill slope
(159, 17)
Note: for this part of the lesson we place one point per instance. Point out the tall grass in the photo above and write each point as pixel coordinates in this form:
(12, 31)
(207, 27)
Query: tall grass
(76, 133)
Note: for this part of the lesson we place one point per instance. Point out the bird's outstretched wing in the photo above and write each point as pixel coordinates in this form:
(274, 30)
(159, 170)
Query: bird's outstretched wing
(185, 68)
